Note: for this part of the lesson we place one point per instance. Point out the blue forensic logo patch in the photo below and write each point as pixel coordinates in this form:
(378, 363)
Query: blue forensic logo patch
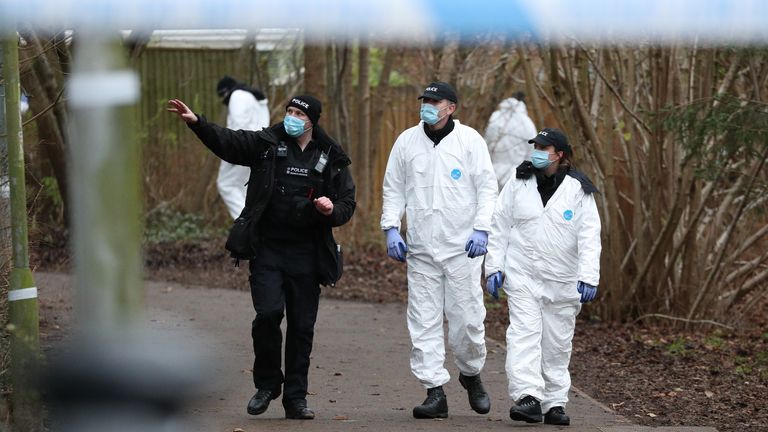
(456, 174)
(568, 215)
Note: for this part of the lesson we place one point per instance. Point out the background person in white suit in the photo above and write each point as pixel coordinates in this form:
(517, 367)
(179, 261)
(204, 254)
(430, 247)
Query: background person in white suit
(507, 135)
(247, 109)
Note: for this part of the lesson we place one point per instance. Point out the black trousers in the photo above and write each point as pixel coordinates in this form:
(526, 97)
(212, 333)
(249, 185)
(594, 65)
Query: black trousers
(284, 283)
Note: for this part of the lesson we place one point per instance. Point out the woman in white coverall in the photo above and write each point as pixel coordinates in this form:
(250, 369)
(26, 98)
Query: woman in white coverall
(247, 109)
(544, 250)
(440, 174)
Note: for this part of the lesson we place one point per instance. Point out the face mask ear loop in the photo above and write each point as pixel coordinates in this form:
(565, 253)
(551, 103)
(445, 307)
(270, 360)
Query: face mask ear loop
(439, 119)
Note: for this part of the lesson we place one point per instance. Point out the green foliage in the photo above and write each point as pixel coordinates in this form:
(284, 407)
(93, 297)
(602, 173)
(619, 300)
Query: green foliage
(756, 364)
(718, 130)
(51, 191)
(620, 128)
(396, 79)
(166, 225)
(491, 303)
(715, 342)
(679, 347)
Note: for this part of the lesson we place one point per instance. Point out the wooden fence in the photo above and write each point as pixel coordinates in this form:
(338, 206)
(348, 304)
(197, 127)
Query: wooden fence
(178, 171)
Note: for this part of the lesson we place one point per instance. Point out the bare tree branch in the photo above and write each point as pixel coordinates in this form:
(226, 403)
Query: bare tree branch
(715, 323)
(613, 89)
(710, 278)
(44, 111)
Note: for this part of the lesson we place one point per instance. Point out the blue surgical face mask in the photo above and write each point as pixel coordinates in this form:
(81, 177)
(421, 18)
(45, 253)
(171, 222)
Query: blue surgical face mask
(429, 113)
(540, 159)
(294, 126)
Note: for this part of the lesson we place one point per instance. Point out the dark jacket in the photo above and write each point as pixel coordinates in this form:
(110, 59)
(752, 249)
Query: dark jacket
(257, 150)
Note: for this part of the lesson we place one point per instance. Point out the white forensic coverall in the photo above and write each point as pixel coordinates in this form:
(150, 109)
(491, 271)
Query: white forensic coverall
(507, 135)
(543, 252)
(446, 191)
(247, 113)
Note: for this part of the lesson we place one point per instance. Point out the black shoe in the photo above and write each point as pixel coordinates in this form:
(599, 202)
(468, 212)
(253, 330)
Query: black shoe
(478, 398)
(260, 401)
(434, 406)
(527, 410)
(297, 410)
(556, 416)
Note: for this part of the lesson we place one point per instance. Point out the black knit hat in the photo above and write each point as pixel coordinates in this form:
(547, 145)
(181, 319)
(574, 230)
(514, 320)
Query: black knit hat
(309, 105)
(225, 85)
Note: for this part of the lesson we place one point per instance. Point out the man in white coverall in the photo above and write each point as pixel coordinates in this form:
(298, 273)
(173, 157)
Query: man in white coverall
(440, 174)
(507, 135)
(247, 109)
(544, 250)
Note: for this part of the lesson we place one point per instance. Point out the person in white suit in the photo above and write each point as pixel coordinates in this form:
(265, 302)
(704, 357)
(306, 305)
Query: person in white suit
(544, 251)
(440, 175)
(507, 135)
(247, 109)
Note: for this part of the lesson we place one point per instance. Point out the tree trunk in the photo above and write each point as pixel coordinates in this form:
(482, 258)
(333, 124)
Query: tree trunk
(449, 60)
(381, 92)
(344, 56)
(45, 100)
(314, 69)
(363, 120)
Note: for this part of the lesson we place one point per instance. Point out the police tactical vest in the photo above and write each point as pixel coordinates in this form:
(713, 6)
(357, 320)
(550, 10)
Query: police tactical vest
(298, 181)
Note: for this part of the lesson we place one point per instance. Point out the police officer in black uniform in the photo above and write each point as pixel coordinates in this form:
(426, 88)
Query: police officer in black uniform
(299, 188)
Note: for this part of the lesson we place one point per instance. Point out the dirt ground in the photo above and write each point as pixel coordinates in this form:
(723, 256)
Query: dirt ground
(648, 372)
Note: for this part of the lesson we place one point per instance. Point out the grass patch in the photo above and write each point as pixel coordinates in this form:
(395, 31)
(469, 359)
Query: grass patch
(679, 347)
(714, 342)
(171, 226)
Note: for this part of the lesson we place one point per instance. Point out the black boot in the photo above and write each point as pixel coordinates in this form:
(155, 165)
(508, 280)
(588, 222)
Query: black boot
(556, 416)
(527, 410)
(260, 401)
(478, 398)
(434, 406)
(297, 410)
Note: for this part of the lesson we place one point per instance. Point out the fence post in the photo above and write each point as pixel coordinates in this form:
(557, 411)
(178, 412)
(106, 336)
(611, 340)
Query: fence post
(113, 375)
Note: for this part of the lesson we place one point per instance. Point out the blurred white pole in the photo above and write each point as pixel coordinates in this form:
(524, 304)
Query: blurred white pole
(104, 178)
(114, 375)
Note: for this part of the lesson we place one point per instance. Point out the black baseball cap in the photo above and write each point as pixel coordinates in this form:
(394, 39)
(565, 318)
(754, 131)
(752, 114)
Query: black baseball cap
(554, 137)
(439, 90)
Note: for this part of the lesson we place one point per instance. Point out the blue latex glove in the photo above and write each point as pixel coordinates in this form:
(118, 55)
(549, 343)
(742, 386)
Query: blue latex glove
(493, 283)
(396, 248)
(477, 244)
(588, 292)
